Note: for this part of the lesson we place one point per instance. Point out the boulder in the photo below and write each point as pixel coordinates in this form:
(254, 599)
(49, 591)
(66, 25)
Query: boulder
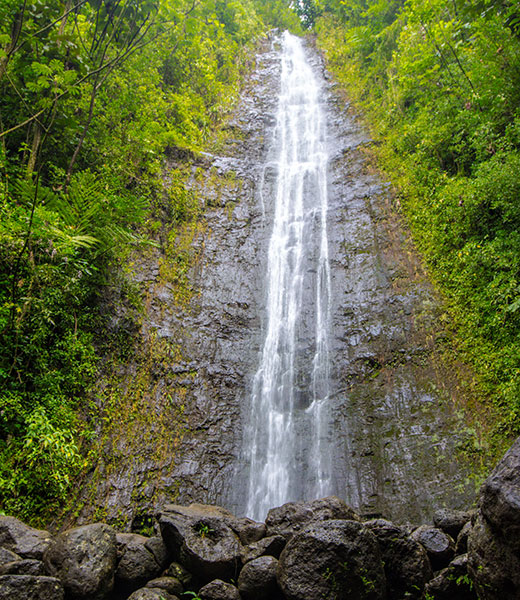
(22, 539)
(219, 590)
(461, 546)
(452, 583)
(25, 566)
(439, 546)
(6, 556)
(248, 531)
(494, 541)
(158, 548)
(201, 540)
(151, 594)
(334, 559)
(293, 517)
(84, 559)
(170, 584)
(500, 498)
(407, 567)
(257, 580)
(29, 587)
(493, 566)
(451, 521)
(269, 546)
(137, 564)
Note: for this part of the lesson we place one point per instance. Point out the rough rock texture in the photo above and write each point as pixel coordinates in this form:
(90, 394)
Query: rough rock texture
(151, 594)
(257, 580)
(337, 559)
(170, 584)
(84, 559)
(7, 556)
(22, 539)
(202, 541)
(28, 587)
(494, 542)
(407, 567)
(451, 521)
(461, 546)
(269, 546)
(439, 546)
(28, 566)
(453, 582)
(137, 564)
(292, 517)
(219, 590)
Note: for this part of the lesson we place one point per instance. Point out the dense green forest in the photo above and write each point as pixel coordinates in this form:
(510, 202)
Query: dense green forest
(92, 95)
(438, 83)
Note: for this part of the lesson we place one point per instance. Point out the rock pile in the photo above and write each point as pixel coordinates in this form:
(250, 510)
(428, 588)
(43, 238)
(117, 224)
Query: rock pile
(304, 551)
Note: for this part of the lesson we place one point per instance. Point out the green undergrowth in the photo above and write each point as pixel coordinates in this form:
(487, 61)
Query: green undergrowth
(438, 84)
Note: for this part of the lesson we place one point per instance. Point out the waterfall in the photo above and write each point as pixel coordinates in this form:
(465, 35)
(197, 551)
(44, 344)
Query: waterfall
(286, 440)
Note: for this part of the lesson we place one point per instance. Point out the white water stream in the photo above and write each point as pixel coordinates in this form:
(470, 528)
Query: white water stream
(287, 444)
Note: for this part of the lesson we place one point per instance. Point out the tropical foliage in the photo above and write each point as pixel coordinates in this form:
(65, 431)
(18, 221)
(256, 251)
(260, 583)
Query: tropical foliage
(92, 93)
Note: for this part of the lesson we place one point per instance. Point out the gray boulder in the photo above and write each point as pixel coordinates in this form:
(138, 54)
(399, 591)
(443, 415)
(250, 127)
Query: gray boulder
(29, 587)
(6, 556)
(333, 559)
(406, 563)
(170, 584)
(461, 546)
(257, 580)
(439, 546)
(25, 566)
(451, 521)
(84, 559)
(269, 546)
(452, 583)
(248, 531)
(151, 594)
(137, 564)
(200, 538)
(293, 517)
(494, 541)
(22, 539)
(219, 590)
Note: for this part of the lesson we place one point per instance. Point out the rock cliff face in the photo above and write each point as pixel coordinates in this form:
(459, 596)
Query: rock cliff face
(187, 390)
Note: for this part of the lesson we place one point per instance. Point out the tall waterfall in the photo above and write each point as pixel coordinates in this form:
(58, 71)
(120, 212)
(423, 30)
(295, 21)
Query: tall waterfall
(286, 439)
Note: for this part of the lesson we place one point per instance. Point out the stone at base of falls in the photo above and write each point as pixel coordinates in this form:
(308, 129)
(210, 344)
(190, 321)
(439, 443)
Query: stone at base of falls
(439, 546)
(201, 539)
(84, 559)
(22, 539)
(451, 521)
(137, 564)
(406, 563)
(24, 566)
(333, 559)
(292, 517)
(257, 579)
(494, 542)
(452, 583)
(29, 587)
(169, 584)
(151, 594)
(219, 590)
(269, 546)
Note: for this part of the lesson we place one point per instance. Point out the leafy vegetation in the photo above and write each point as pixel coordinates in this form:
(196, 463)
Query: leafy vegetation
(439, 84)
(92, 94)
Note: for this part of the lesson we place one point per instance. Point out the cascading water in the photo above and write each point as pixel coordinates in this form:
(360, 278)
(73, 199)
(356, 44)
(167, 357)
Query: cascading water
(286, 439)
